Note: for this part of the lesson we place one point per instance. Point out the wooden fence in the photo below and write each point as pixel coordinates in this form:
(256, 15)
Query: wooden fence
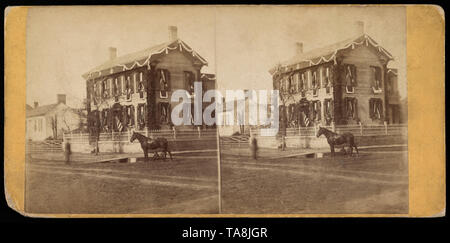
(171, 135)
(357, 130)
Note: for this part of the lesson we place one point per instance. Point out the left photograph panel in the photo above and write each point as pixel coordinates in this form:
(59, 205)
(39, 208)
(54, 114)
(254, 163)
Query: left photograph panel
(103, 130)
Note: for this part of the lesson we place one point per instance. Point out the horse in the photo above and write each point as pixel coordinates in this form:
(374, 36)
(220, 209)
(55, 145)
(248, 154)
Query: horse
(336, 139)
(152, 144)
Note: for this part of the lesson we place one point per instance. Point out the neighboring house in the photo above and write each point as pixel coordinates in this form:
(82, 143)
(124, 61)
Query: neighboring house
(51, 121)
(344, 83)
(134, 91)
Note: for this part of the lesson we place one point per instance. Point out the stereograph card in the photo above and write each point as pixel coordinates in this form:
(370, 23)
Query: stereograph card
(225, 111)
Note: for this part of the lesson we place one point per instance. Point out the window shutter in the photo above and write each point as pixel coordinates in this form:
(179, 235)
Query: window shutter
(371, 108)
(355, 78)
(380, 104)
(145, 114)
(311, 111)
(344, 108)
(158, 80)
(319, 110)
(330, 75)
(168, 79)
(355, 108)
(132, 115)
(331, 111)
(124, 116)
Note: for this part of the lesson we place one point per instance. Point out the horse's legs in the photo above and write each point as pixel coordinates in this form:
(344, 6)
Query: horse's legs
(170, 154)
(356, 148)
(164, 158)
(146, 155)
(351, 149)
(332, 150)
(155, 155)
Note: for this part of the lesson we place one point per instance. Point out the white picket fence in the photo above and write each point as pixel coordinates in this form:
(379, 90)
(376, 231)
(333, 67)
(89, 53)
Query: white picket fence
(170, 135)
(357, 130)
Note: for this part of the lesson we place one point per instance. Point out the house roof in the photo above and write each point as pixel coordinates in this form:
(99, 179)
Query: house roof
(40, 110)
(140, 58)
(28, 107)
(328, 53)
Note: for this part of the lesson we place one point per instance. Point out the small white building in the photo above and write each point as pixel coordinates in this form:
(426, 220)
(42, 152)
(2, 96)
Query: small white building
(51, 121)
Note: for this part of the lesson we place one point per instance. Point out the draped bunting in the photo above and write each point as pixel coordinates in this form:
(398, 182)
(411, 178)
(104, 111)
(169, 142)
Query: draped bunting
(332, 56)
(123, 67)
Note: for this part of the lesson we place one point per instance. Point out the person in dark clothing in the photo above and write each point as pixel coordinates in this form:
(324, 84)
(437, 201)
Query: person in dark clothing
(254, 147)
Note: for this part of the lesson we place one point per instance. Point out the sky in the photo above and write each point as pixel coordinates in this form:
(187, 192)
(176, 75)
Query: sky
(240, 43)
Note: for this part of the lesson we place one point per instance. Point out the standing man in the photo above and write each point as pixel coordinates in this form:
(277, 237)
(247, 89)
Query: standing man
(253, 146)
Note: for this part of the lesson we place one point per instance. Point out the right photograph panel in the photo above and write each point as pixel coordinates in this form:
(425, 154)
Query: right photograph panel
(314, 113)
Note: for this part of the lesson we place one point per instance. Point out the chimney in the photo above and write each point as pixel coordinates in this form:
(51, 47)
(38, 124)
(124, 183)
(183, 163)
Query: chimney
(173, 35)
(112, 53)
(299, 47)
(36, 104)
(61, 98)
(359, 28)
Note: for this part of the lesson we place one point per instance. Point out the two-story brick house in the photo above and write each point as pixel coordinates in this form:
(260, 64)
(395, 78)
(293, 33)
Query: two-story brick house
(134, 90)
(342, 83)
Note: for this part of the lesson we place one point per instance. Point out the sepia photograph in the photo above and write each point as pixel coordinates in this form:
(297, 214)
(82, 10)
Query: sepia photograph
(100, 138)
(341, 145)
(216, 110)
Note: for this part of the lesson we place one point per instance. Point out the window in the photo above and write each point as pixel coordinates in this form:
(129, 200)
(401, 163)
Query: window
(302, 85)
(315, 110)
(141, 85)
(104, 89)
(326, 81)
(376, 80)
(128, 116)
(164, 111)
(350, 78)
(376, 109)
(141, 115)
(315, 83)
(297, 82)
(122, 82)
(281, 85)
(351, 107)
(129, 88)
(108, 88)
(328, 111)
(189, 79)
(292, 84)
(164, 82)
(135, 83)
(116, 87)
